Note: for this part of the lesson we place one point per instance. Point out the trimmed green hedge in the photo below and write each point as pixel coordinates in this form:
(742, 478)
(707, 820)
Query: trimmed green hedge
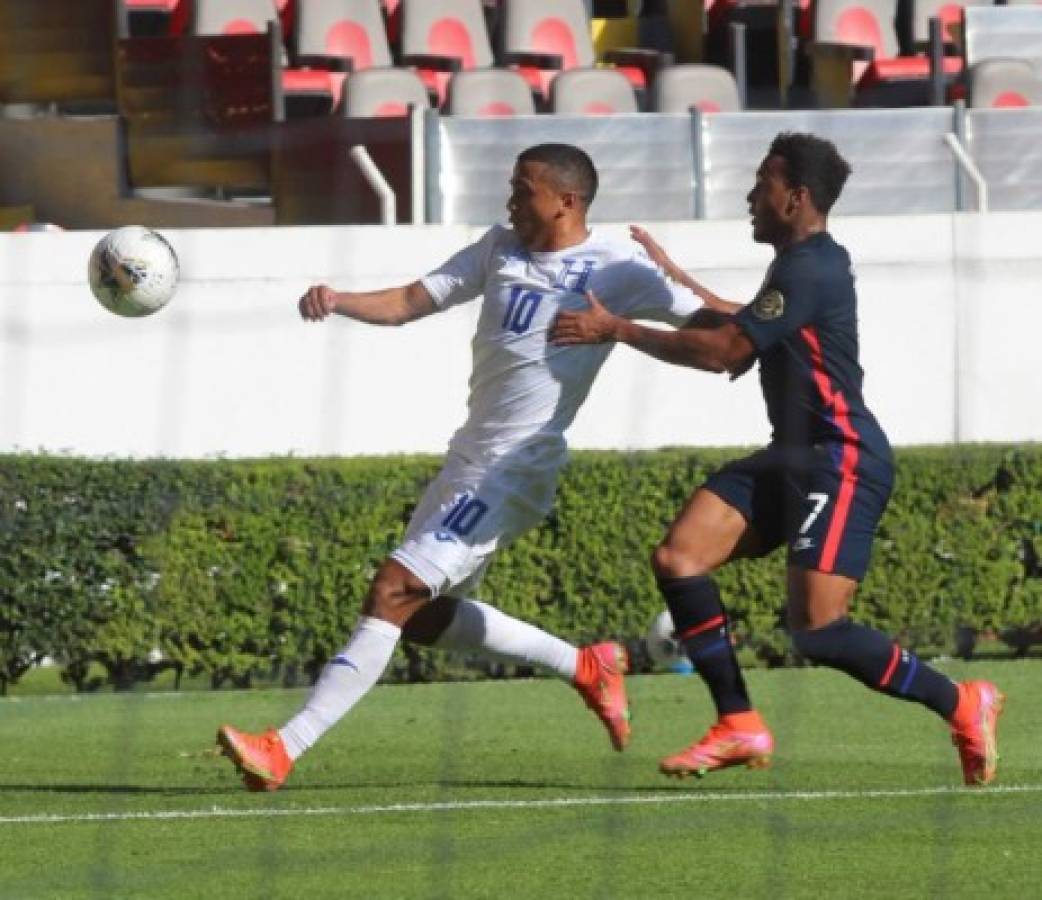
(243, 569)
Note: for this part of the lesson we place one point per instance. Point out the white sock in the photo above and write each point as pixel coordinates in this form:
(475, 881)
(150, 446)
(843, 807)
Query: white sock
(478, 626)
(343, 682)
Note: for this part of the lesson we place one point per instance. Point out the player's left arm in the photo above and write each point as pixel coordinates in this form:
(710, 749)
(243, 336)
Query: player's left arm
(657, 254)
(710, 340)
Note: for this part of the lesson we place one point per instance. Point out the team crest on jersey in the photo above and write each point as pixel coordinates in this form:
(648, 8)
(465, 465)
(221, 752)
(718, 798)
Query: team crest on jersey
(769, 305)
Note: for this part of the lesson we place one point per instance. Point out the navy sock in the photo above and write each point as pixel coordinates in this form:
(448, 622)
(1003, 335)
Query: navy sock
(701, 628)
(873, 659)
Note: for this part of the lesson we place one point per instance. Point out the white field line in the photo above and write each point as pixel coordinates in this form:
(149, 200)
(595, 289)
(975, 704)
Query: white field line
(217, 812)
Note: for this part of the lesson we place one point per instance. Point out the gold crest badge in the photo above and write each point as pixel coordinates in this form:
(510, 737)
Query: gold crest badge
(769, 305)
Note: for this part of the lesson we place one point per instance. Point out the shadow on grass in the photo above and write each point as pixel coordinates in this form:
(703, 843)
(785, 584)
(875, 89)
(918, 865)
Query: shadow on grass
(537, 784)
(117, 789)
(396, 788)
(304, 787)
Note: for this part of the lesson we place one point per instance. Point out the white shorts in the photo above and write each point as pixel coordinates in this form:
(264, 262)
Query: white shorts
(466, 514)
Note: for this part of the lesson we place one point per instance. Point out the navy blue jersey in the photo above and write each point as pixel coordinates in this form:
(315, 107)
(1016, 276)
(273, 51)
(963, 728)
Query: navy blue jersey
(803, 324)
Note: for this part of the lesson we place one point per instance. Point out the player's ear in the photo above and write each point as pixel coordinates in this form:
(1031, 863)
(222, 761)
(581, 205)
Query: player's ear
(799, 196)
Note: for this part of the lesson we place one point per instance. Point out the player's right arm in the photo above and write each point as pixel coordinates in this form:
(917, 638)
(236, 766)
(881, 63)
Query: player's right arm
(391, 306)
(710, 341)
(662, 259)
(459, 279)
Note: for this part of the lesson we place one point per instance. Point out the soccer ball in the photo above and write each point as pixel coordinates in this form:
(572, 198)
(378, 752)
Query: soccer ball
(133, 271)
(663, 648)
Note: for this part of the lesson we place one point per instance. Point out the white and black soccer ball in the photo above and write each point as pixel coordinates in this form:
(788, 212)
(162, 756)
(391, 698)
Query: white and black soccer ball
(133, 271)
(663, 648)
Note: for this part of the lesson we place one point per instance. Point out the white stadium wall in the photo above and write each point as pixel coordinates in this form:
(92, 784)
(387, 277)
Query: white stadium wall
(949, 309)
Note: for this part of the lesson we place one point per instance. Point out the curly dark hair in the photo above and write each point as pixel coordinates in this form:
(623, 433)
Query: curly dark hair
(814, 163)
(572, 168)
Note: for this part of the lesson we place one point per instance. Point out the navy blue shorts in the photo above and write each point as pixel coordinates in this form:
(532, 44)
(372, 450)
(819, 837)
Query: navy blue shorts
(823, 502)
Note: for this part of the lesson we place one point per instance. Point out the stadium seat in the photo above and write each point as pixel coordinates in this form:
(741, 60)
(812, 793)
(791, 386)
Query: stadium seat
(997, 32)
(383, 92)
(1004, 83)
(854, 54)
(335, 37)
(487, 93)
(592, 92)
(710, 89)
(544, 37)
(440, 37)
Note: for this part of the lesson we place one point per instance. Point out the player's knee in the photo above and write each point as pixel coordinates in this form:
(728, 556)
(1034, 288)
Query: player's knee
(430, 621)
(667, 561)
(821, 645)
(394, 595)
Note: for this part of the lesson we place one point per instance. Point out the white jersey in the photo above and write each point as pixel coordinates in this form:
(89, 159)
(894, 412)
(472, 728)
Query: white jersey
(525, 391)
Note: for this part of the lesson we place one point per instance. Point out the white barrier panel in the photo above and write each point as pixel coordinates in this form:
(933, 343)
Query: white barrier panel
(948, 317)
(998, 273)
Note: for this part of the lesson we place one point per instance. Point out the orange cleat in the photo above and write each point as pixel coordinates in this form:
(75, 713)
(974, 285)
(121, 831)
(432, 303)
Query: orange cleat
(599, 679)
(975, 730)
(260, 758)
(738, 739)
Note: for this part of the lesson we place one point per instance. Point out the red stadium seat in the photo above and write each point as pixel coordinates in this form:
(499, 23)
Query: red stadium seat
(855, 54)
(544, 37)
(1004, 84)
(592, 92)
(489, 93)
(335, 37)
(440, 37)
(383, 92)
(710, 89)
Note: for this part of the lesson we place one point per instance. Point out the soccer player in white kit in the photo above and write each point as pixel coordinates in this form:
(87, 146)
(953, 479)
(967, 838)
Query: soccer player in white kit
(500, 472)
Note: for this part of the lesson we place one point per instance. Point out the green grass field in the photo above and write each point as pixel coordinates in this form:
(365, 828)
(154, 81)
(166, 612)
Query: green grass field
(510, 789)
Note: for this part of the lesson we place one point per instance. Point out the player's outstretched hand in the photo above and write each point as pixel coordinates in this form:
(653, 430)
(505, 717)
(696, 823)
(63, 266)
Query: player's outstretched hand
(593, 325)
(317, 303)
(652, 247)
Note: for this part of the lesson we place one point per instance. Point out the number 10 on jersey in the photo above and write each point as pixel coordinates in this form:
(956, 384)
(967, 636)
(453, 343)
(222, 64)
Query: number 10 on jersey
(521, 309)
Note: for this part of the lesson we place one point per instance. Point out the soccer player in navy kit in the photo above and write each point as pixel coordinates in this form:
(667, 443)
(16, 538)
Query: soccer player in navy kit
(820, 487)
